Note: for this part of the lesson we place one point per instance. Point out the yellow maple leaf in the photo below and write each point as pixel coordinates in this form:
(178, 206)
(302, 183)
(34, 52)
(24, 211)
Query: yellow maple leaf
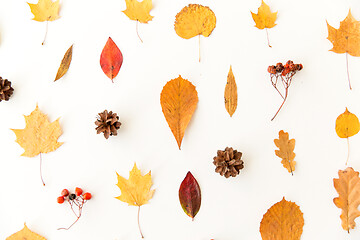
(286, 151)
(348, 188)
(45, 10)
(135, 191)
(264, 18)
(25, 234)
(138, 11)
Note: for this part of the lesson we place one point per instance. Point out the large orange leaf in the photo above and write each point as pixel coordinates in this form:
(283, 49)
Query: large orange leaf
(111, 59)
(283, 221)
(348, 188)
(178, 101)
(25, 234)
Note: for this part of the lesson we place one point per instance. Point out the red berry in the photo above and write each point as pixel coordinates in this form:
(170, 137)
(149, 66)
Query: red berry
(78, 191)
(65, 192)
(60, 199)
(87, 196)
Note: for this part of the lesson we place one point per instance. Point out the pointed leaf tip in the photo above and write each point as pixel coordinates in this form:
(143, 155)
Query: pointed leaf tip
(190, 195)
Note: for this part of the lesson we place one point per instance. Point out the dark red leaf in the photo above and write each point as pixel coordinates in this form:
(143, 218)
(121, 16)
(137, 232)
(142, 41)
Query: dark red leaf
(190, 195)
(111, 59)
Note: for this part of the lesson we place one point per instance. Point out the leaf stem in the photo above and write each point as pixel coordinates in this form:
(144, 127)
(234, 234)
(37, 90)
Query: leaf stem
(42, 180)
(267, 36)
(138, 219)
(46, 31)
(347, 69)
(137, 32)
(199, 49)
(348, 155)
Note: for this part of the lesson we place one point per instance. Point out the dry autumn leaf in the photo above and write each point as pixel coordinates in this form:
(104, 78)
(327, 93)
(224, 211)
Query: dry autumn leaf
(39, 135)
(346, 39)
(65, 64)
(178, 102)
(136, 190)
(138, 11)
(347, 125)
(190, 195)
(45, 10)
(283, 221)
(195, 20)
(25, 234)
(348, 188)
(111, 59)
(286, 151)
(264, 18)
(230, 94)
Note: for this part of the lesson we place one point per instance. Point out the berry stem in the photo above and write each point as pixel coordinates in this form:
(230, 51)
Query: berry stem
(286, 94)
(46, 31)
(138, 219)
(267, 36)
(137, 32)
(42, 180)
(80, 206)
(347, 69)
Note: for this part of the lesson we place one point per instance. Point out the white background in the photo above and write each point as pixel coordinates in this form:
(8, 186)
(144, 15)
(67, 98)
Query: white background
(231, 208)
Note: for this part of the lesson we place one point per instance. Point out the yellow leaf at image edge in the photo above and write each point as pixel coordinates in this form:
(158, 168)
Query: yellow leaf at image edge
(138, 11)
(25, 234)
(136, 190)
(347, 124)
(45, 10)
(264, 18)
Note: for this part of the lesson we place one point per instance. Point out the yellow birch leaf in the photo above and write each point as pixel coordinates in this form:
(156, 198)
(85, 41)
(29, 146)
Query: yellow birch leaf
(230, 94)
(25, 234)
(283, 221)
(45, 10)
(347, 124)
(348, 188)
(178, 102)
(65, 64)
(138, 11)
(264, 18)
(286, 151)
(195, 20)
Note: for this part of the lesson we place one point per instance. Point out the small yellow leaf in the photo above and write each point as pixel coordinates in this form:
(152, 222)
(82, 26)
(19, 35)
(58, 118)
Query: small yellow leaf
(25, 234)
(286, 150)
(347, 124)
(138, 11)
(194, 20)
(136, 190)
(230, 94)
(65, 64)
(39, 135)
(265, 18)
(45, 10)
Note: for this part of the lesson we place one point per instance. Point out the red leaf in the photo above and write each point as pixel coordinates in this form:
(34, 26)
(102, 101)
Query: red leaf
(111, 59)
(190, 195)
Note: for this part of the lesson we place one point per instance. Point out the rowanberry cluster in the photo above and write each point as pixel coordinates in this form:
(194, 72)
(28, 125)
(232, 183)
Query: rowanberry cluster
(77, 200)
(289, 67)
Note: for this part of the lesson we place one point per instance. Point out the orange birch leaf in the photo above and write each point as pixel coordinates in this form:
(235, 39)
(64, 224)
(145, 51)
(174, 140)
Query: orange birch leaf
(283, 221)
(111, 59)
(65, 64)
(230, 95)
(348, 188)
(25, 234)
(178, 102)
(286, 151)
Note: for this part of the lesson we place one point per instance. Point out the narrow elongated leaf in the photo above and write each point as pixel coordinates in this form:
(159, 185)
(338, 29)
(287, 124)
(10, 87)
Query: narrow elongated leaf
(65, 64)
(230, 94)
(111, 59)
(190, 195)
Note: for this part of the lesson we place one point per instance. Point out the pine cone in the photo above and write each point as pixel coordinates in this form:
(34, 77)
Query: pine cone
(5, 89)
(228, 163)
(108, 123)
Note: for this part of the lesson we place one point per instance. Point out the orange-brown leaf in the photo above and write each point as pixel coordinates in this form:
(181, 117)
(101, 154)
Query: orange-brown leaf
(230, 95)
(25, 234)
(348, 188)
(178, 102)
(65, 64)
(286, 150)
(283, 221)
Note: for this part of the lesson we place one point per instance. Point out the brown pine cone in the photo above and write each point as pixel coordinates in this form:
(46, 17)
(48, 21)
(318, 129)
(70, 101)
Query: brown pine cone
(108, 123)
(5, 89)
(228, 163)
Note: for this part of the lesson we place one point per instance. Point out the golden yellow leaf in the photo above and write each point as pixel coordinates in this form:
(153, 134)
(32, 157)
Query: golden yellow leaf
(347, 124)
(39, 135)
(283, 221)
(25, 234)
(346, 39)
(45, 10)
(286, 150)
(139, 11)
(194, 20)
(230, 94)
(178, 102)
(136, 190)
(65, 64)
(264, 18)
(348, 188)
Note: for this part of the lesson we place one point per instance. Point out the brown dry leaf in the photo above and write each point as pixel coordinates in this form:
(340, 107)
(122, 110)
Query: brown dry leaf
(286, 151)
(25, 234)
(348, 188)
(283, 221)
(65, 64)
(230, 94)
(138, 10)
(178, 102)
